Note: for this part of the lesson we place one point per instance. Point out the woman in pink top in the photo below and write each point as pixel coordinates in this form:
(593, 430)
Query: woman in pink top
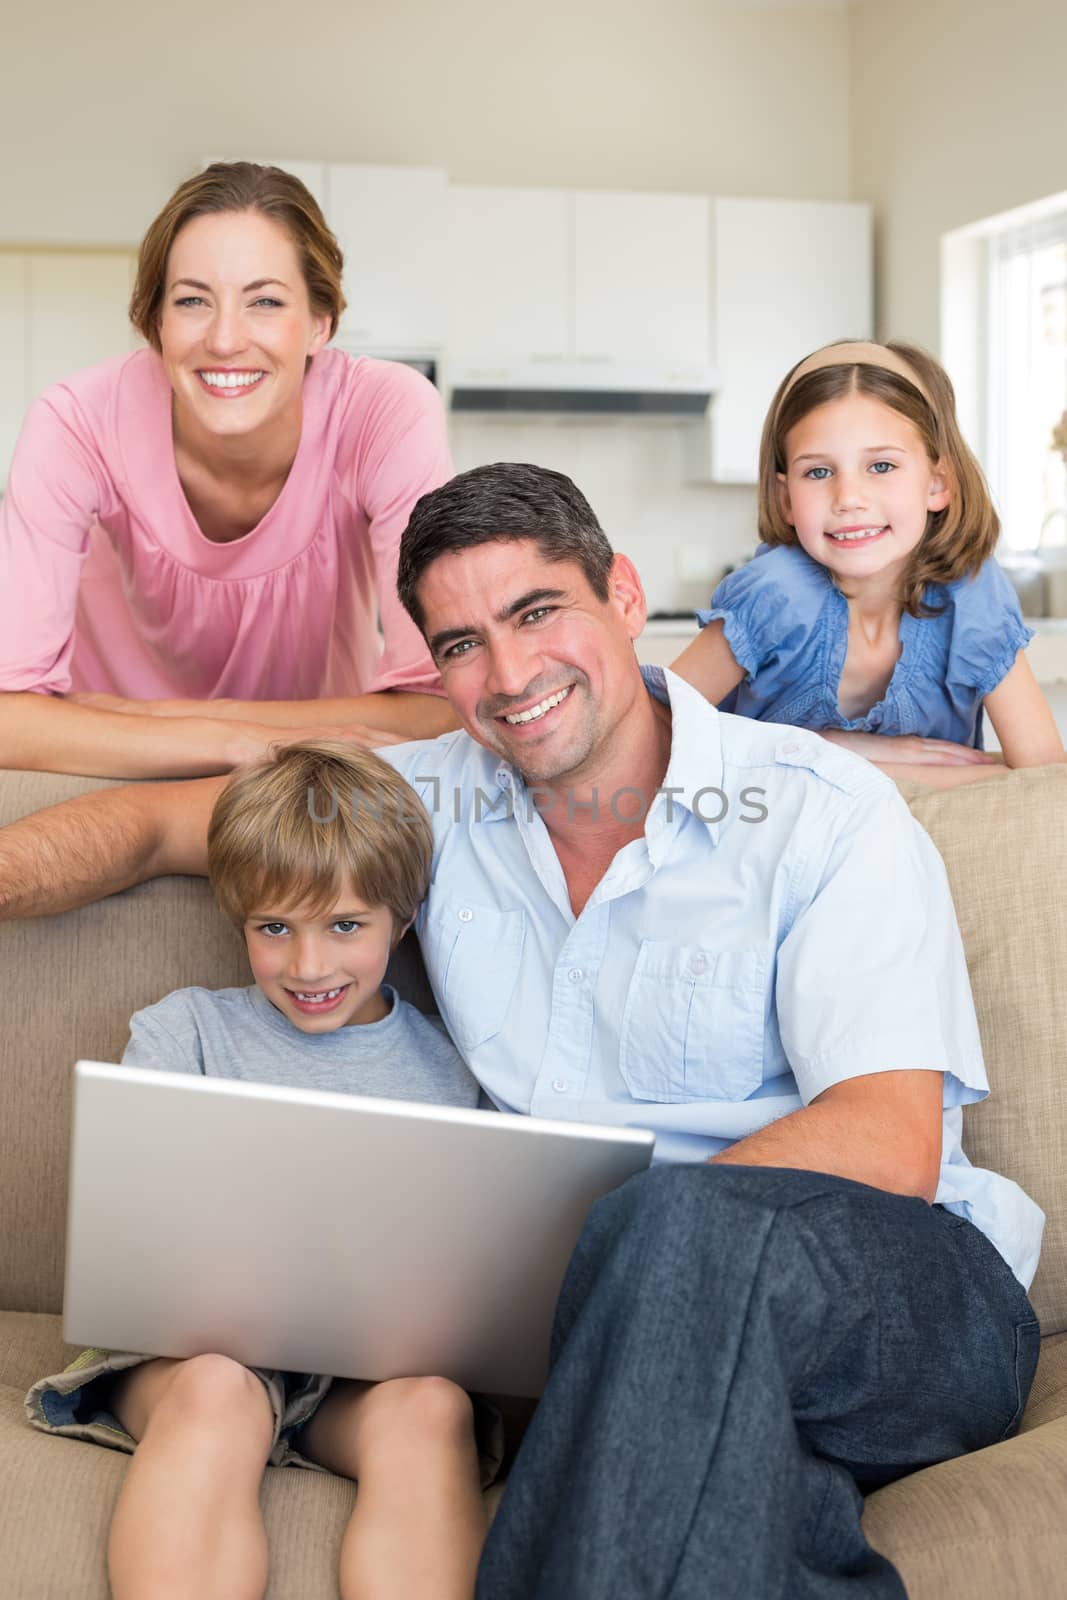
(198, 542)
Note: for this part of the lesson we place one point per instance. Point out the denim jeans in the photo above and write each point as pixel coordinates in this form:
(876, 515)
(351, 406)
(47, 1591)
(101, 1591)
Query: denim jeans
(738, 1354)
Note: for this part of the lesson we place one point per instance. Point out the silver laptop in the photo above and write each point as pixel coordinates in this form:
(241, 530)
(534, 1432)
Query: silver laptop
(323, 1232)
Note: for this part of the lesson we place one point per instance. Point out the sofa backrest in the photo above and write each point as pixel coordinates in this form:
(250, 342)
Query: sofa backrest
(71, 983)
(1004, 845)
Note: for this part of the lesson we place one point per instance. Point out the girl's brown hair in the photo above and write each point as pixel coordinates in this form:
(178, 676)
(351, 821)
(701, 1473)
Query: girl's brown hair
(958, 539)
(313, 820)
(240, 186)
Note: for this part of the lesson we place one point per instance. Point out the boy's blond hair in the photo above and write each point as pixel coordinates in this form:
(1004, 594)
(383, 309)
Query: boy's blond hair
(313, 820)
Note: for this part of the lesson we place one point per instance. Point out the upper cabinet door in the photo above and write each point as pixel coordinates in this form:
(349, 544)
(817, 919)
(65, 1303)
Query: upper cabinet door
(509, 274)
(77, 313)
(641, 277)
(391, 225)
(789, 276)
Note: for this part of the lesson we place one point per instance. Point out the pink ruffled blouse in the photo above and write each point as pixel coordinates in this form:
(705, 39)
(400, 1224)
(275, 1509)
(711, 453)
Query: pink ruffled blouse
(107, 583)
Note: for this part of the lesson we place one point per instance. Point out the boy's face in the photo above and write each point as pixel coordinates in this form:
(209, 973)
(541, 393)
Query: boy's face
(322, 971)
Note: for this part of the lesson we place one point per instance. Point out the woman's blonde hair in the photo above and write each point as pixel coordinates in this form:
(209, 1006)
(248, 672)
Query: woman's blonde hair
(240, 186)
(958, 539)
(313, 821)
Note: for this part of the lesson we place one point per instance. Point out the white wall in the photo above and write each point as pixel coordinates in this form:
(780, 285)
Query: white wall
(959, 111)
(105, 107)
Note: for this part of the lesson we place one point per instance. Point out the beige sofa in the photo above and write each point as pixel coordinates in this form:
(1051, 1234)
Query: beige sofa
(987, 1527)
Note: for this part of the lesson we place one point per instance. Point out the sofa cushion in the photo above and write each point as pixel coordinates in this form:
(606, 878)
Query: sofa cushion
(1004, 844)
(31, 1346)
(1048, 1392)
(56, 1498)
(986, 1525)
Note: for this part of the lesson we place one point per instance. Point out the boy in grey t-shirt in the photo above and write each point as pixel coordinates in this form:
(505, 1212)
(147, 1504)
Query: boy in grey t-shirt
(321, 857)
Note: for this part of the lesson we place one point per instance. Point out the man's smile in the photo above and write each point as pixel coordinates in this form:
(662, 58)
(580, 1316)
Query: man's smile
(536, 712)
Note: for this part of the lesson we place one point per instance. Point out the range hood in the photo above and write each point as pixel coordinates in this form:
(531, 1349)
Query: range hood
(587, 386)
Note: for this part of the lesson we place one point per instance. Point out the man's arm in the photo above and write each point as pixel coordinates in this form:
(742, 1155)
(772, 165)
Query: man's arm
(883, 1129)
(97, 844)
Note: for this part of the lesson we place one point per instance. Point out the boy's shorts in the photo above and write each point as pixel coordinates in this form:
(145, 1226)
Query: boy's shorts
(75, 1404)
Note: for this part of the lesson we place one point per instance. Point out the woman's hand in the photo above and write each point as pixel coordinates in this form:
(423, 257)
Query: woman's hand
(908, 750)
(251, 741)
(153, 708)
(385, 717)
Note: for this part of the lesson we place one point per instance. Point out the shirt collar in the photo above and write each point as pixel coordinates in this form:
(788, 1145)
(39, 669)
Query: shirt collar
(694, 776)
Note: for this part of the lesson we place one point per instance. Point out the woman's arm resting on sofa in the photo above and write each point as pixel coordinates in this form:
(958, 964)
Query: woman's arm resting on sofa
(48, 733)
(107, 737)
(398, 712)
(83, 849)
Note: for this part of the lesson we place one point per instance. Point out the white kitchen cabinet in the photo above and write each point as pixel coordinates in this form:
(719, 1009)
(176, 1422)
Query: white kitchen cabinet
(13, 363)
(641, 277)
(76, 312)
(391, 223)
(509, 274)
(587, 279)
(787, 277)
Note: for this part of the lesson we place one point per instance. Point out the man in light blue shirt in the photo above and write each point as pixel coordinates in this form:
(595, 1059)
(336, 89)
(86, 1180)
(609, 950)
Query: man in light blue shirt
(732, 932)
(645, 912)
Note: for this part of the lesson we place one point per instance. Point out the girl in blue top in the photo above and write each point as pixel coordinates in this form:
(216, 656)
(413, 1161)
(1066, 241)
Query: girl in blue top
(873, 611)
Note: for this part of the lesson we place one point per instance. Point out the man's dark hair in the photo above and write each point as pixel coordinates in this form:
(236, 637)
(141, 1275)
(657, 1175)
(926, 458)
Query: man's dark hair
(509, 500)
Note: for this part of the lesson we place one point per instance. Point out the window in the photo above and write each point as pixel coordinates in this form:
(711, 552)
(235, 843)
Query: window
(1004, 287)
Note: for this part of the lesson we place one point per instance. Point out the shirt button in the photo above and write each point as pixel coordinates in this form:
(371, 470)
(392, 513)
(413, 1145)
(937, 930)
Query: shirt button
(466, 914)
(575, 975)
(698, 964)
(559, 1085)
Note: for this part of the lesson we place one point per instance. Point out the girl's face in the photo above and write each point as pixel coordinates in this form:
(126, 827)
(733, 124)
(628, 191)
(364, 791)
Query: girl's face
(236, 327)
(859, 486)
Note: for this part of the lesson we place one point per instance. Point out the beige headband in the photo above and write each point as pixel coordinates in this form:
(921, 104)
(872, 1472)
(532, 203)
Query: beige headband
(860, 354)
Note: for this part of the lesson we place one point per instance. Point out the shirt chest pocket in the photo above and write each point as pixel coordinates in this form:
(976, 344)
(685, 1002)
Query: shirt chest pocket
(692, 1028)
(474, 957)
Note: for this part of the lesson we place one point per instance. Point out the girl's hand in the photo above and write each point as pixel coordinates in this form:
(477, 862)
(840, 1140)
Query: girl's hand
(908, 750)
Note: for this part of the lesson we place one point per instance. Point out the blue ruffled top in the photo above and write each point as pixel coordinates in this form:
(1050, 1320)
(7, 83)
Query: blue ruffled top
(787, 625)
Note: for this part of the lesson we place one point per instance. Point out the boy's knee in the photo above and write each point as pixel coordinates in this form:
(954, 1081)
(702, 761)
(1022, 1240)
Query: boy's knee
(425, 1411)
(209, 1388)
